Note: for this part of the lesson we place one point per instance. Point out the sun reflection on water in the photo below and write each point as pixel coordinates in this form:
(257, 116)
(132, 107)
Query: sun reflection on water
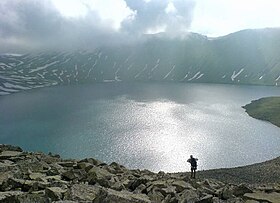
(167, 137)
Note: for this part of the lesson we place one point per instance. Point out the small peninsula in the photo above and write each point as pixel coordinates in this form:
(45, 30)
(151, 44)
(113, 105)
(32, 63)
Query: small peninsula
(267, 109)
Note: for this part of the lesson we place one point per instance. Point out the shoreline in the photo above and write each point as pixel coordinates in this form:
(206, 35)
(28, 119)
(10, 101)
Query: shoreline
(153, 81)
(38, 177)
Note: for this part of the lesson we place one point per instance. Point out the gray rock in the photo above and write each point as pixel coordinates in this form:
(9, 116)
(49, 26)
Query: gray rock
(147, 172)
(217, 200)
(168, 190)
(240, 190)
(7, 164)
(82, 192)
(159, 183)
(207, 190)
(225, 193)
(235, 200)
(52, 172)
(55, 193)
(100, 176)
(4, 147)
(113, 170)
(138, 182)
(127, 183)
(166, 199)
(188, 196)
(48, 159)
(195, 184)
(182, 185)
(92, 161)
(93, 178)
(35, 187)
(9, 154)
(36, 176)
(251, 201)
(155, 196)
(10, 196)
(32, 198)
(169, 199)
(140, 189)
(273, 197)
(32, 165)
(206, 199)
(29, 185)
(211, 184)
(4, 176)
(101, 172)
(117, 167)
(69, 175)
(14, 183)
(269, 188)
(85, 165)
(112, 196)
(67, 163)
(117, 186)
(53, 179)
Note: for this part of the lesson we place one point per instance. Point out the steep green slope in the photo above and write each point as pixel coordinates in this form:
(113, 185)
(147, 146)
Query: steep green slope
(267, 109)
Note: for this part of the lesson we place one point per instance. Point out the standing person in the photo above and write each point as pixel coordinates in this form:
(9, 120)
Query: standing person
(193, 162)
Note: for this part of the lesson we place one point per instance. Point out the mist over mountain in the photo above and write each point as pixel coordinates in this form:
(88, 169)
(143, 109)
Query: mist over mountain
(244, 57)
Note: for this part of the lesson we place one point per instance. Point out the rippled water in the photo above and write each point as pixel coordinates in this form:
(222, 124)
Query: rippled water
(154, 126)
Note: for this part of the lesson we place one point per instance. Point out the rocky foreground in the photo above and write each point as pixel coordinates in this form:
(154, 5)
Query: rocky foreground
(36, 177)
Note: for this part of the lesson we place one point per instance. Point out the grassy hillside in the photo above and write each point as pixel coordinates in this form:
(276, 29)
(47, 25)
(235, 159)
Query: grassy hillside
(267, 109)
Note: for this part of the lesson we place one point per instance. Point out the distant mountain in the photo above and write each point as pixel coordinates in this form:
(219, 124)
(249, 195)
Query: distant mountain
(244, 57)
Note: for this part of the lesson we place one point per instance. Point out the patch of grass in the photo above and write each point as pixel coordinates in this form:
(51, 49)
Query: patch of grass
(267, 109)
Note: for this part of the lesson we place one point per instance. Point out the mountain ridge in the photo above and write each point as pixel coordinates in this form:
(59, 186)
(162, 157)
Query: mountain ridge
(245, 57)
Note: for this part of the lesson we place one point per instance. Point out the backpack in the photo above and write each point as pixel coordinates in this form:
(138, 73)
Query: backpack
(193, 162)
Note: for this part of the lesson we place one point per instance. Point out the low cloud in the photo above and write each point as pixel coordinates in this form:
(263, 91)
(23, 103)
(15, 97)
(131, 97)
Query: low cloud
(173, 17)
(30, 25)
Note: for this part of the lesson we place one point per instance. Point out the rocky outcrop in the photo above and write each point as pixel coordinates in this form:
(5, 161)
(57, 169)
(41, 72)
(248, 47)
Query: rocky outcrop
(37, 177)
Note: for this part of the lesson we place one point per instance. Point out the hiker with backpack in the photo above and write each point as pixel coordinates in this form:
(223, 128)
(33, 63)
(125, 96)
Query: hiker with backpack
(193, 162)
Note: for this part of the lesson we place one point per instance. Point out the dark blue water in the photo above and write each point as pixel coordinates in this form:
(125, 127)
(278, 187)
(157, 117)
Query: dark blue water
(154, 126)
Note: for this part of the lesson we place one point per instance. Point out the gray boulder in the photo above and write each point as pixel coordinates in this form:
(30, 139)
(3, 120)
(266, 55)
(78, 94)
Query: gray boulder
(85, 166)
(36, 176)
(55, 193)
(181, 185)
(4, 147)
(240, 190)
(206, 199)
(227, 193)
(92, 161)
(188, 196)
(32, 198)
(273, 197)
(112, 196)
(10, 196)
(67, 163)
(9, 154)
(82, 193)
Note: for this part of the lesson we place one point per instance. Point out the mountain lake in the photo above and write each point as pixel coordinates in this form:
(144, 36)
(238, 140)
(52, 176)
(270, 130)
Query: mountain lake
(154, 126)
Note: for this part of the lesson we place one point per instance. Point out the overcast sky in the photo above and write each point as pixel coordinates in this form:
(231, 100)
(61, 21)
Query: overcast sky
(27, 25)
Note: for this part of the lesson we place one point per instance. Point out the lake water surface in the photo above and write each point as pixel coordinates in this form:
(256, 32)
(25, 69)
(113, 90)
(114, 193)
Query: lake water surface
(154, 126)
